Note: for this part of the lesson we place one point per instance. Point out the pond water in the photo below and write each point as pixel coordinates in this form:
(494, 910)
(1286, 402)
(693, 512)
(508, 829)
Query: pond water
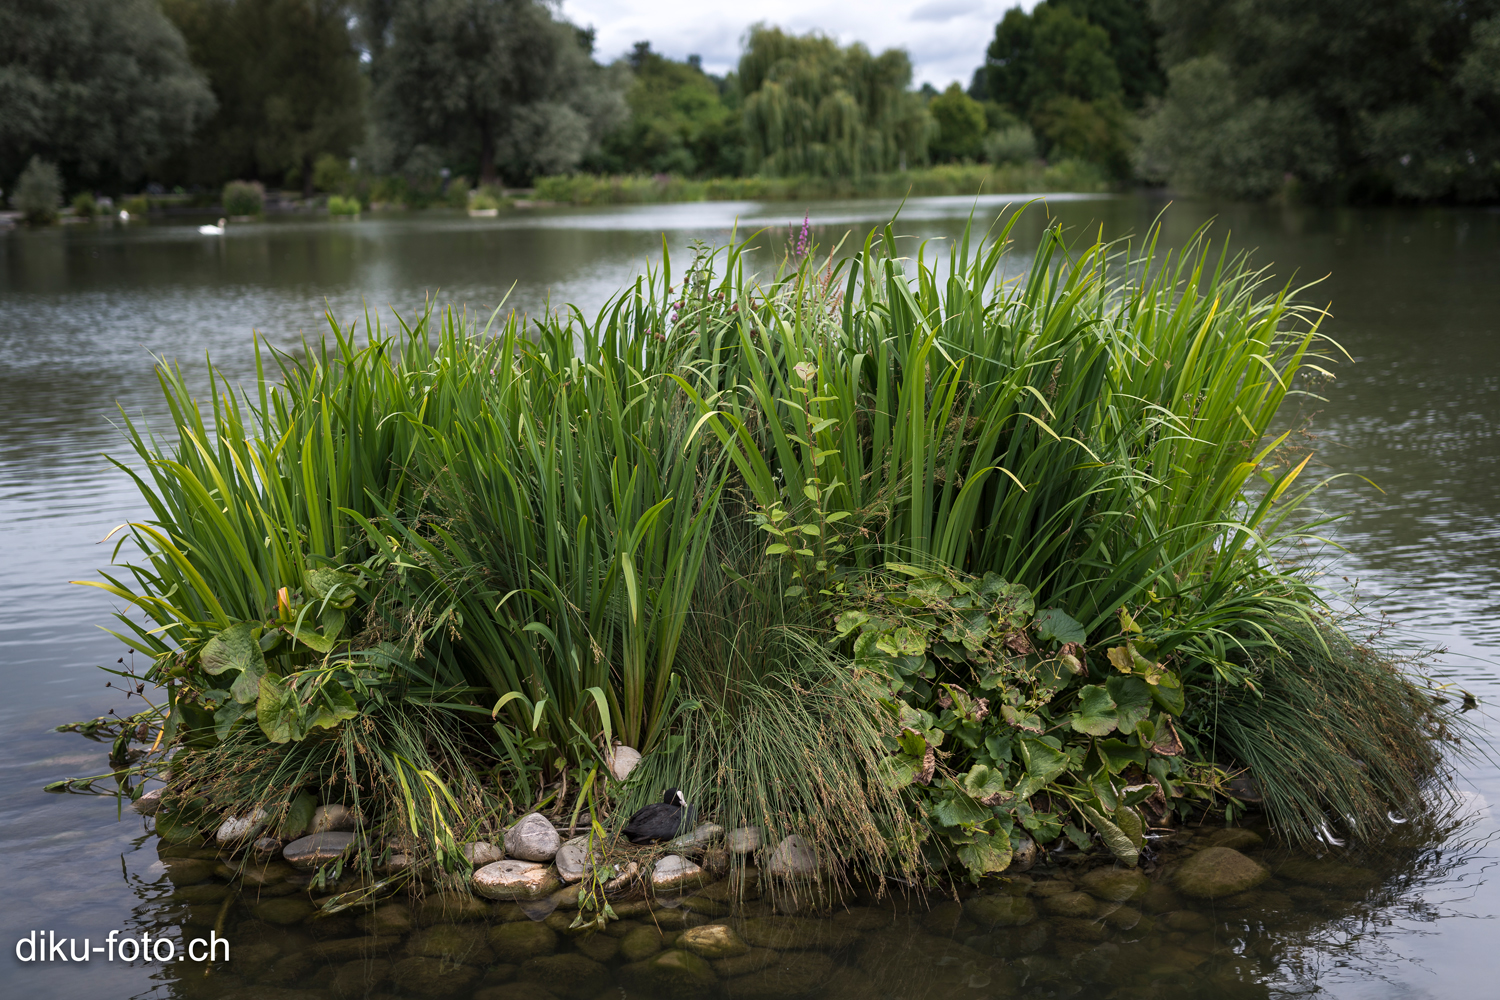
(1415, 298)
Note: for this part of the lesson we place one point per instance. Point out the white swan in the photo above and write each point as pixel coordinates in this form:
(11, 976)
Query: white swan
(212, 230)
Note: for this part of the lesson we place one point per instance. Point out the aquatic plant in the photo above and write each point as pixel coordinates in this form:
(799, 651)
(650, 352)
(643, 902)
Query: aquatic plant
(920, 565)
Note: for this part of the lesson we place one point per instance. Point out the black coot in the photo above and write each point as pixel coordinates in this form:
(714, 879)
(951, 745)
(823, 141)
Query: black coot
(661, 820)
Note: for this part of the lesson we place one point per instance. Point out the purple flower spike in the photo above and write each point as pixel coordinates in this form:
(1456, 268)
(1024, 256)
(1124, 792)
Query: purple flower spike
(802, 238)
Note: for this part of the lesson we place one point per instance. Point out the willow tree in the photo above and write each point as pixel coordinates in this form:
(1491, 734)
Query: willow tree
(812, 107)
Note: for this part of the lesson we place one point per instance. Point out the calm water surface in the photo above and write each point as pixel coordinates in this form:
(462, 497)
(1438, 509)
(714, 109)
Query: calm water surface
(1415, 299)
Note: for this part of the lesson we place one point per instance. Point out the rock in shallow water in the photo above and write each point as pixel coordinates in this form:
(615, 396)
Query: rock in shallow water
(235, 829)
(572, 859)
(674, 973)
(743, 840)
(712, 941)
(999, 911)
(571, 976)
(518, 880)
(793, 856)
(148, 803)
(431, 977)
(533, 838)
(1115, 885)
(1218, 871)
(675, 872)
(522, 940)
(481, 852)
(317, 849)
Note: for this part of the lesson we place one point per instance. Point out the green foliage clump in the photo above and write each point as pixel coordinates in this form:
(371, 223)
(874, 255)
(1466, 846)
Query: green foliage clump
(286, 76)
(960, 126)
(38, 192)
(84, 205)
(814, 108)
(103, 88)
(1016, 144)
(339, 205)
(507, 85)
(911, 567)
(1372, 102)
(682, 121)
(244, 198)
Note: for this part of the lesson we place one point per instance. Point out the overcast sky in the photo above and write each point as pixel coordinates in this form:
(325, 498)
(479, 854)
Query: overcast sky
(946, 38)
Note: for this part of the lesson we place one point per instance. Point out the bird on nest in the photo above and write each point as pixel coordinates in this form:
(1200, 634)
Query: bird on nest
(661, 820)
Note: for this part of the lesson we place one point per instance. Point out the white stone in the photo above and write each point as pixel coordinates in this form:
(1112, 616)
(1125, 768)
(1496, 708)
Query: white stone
(744, 839)
(622, 760)
(517, 880)
(675, 872)
(702, 835)
(147, 804)
(572, 859)
(481, 852)
(235, 829)
(317, 849)
(533, 838)
(626, 874)
(266, 846)
(332, 817)
(793, 856)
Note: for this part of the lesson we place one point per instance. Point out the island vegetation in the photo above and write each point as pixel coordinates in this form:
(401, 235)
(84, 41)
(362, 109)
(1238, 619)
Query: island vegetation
(902, 573)
(161, 103)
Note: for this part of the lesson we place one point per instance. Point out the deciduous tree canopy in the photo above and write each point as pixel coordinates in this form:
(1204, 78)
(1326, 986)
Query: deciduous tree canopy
(287, 77)
(104, 88)
(503, 82)
(1396, 98)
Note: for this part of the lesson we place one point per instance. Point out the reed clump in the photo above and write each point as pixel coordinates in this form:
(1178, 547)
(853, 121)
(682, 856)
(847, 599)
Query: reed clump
(927, 562)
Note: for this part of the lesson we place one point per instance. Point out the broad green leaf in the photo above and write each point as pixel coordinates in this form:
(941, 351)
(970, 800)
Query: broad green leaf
(1021, 719)
(246, 687)
(332, 622)
(1132, 698)
(1042, 761)
(299, 816)
(983, 781)
(1057, 626)
(912, 743)
(1168, 692)
(1118, 755)
(1130, 823)
(988, 853)
(235, 648)
(1119, 657)
(228, 714)
(1120, 845)
(900, 770)
(310, 639)
(960, 810)
(333, 705)
(330, 585)
(275, 710)
(1096, 711)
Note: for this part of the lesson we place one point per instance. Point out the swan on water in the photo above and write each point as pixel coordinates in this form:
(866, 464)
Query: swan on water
(212, 230)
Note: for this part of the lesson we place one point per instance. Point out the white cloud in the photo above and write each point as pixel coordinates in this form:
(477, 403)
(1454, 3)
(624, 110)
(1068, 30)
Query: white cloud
(945, 38)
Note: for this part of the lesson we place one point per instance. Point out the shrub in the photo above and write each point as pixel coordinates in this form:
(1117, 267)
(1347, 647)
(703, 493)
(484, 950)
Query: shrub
(1016, 144)
(331, 173)
(136, 206)
(84, 205)
(38, 192)
(485, 198)
(339, 205)
(244, 198)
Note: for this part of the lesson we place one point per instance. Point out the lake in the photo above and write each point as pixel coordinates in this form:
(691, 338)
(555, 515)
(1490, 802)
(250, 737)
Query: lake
(1414, 296)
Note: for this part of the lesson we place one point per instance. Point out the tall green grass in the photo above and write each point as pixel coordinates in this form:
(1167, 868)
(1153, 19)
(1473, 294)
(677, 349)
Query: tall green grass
(542, 525)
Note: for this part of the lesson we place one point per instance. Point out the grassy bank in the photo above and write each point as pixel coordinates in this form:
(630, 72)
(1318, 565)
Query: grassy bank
(925, 571)
(589, 189)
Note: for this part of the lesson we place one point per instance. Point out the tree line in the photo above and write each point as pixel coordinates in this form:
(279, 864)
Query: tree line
(1391, 99)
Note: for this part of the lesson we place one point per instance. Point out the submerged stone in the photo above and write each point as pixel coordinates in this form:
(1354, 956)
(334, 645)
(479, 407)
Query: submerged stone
(317, 849)
(464, 943)
(186, 871)
(451, 908)
(796, 933)
(517, 942)
(1115, 885)
(431, 977)
(1076, 905)
(999, 911)
(751, 961)
(360, 978)
(283, 911)
(796, 974)
(1237, 839)
(572, 976)
(1325, 874)
(518, 880)
(641, 943)
(599, 947)
(712, 941)
(533, 838)
(393, 918)
(1218, 871)
(674, 973)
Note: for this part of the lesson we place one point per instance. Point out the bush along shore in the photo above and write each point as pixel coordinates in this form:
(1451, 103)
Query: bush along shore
(907, 576)
(954, 179)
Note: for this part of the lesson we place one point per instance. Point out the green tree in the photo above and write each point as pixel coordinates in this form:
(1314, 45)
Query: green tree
(38, 193)
(102, 88)
(680, 122)
(503, 82)
(961, 126)
(1057, 71)
(812, 107)
(288, 81)
(1390, 99)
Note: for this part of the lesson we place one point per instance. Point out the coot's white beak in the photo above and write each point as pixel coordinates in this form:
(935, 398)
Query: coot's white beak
(681, 799)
